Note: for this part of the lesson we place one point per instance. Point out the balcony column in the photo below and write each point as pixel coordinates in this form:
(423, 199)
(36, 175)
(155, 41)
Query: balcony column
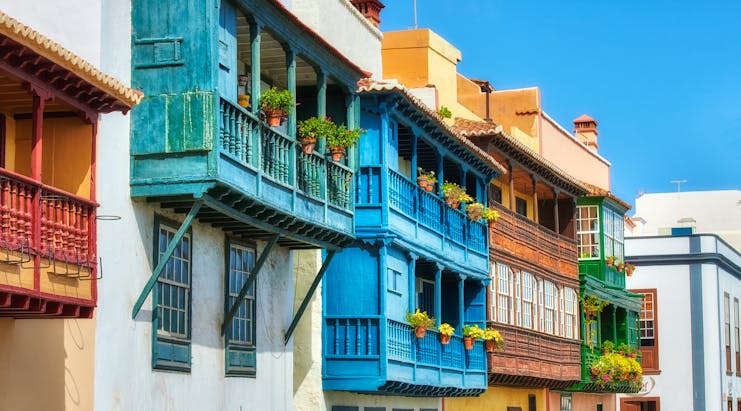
(412, 268)
(39, 97)
(255, 40)
(321, 102)
(511, 165)
(438, 290)
(291, 85)
(556, 224)
(415, 138)
(614, 323)
(461, 295)
(440, 174)
(352, 103)
(535, 199)
(463, 174)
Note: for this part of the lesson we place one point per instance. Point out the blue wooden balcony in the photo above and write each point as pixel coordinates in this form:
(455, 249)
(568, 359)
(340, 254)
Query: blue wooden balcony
(359, 358)
(420, 218)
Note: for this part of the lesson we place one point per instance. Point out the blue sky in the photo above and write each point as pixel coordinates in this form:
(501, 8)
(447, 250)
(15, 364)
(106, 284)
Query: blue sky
(662, 78)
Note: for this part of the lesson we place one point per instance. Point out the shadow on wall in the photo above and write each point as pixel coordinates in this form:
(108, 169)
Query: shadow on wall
(305, 268)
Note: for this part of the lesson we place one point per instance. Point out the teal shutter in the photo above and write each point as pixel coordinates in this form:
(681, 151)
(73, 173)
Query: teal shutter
(228, 51)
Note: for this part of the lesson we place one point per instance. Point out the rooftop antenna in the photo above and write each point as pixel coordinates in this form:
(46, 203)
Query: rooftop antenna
(679, 184)
(415, 14)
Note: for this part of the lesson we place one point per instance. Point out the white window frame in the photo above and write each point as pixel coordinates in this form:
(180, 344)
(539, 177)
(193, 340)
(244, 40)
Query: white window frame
(550, 307)
(585, 228)
(528, 300)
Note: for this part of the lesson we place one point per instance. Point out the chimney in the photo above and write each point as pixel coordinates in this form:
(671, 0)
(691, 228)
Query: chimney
(585, 128)
(371, 9)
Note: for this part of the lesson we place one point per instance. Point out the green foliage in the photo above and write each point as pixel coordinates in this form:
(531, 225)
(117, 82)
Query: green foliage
(608, 346)
(315, 128)
(473, 331)
(341, 136)
(489, 214)
(446, 329)
(273, 99)
(420, 319)
(455, 192)
(445, 112)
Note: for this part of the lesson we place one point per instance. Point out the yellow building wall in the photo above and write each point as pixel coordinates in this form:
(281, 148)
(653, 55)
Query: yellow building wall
(471, 97)
(504, 186)
(498, 399)
(9, 142)
(517, 111)
(47, 364)
(65, 156)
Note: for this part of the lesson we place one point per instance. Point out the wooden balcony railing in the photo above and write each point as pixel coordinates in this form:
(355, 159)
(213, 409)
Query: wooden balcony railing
(278, 157)
(534, 243)
(65, 223)
(531, 358)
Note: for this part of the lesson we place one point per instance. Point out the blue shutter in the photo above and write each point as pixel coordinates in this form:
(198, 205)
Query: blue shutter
(228, 51)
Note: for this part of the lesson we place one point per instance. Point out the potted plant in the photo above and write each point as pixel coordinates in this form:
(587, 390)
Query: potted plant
(426, 180)
(275, 105)
(454, 194)
(491, 216)
(619, 266)
(608, 347)
(445, 332)
(420, 321)
(471, 333)
(342, 138)
(592, 307)
(610, 260)
(492, 340)
(474, 211)
(312, 129)
(445, 112)
(629, 268)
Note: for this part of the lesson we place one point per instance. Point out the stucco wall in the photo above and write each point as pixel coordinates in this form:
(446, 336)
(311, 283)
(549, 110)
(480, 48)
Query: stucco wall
(498, 399)
(585, 402)
(75, 24)
(46, 364)
(573, 156)
(347, 30)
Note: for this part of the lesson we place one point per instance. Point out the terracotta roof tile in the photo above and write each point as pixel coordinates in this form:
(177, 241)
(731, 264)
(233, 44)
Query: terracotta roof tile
(368, 85)
(54, 52)
(471, 128)
(601, 192)
(584, 119)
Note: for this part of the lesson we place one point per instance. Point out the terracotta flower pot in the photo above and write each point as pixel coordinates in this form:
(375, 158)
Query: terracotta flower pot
(454, 205)
(307, 145)
(337, 153)
(490, 223)
(420, 331)
(468, 343)
(243, 100)
(489, 344)
(422, 182)
(444, 339)
(430, 187)
(629, 271)
(274, 117)
(619, 268)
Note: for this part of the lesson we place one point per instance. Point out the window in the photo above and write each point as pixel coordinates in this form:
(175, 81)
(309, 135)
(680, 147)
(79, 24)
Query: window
(240, 339)
(736, 333)
(426, 296)
(613, 233)
(394, 281)
(648, 334)
(528, 294)
(566, 402)
(549, 304)
(521, 206)
(727, 321)
(494, 196)
(171, 318)
(570, 309)
(504, 293)
(531, 405)
(587, 231)
(518, 299)
(541, 316)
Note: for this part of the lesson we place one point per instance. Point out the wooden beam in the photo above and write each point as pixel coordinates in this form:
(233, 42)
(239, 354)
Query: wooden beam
(307, 298)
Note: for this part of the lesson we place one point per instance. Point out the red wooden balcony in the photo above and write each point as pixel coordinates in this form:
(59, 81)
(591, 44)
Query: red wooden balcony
(47, 250)
(527, 240)
(534, 359)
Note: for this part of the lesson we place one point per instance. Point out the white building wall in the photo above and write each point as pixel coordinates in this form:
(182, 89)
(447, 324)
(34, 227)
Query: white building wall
(712, 320)
(75, 24)
(342, 25)
(125, 379)
(730, 385)
(674, 383)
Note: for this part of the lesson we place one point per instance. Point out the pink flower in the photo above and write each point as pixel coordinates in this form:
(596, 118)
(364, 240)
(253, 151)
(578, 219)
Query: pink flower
(605, 378)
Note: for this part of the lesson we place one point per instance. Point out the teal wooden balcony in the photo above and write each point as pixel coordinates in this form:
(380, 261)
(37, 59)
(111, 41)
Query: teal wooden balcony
(192, 143)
